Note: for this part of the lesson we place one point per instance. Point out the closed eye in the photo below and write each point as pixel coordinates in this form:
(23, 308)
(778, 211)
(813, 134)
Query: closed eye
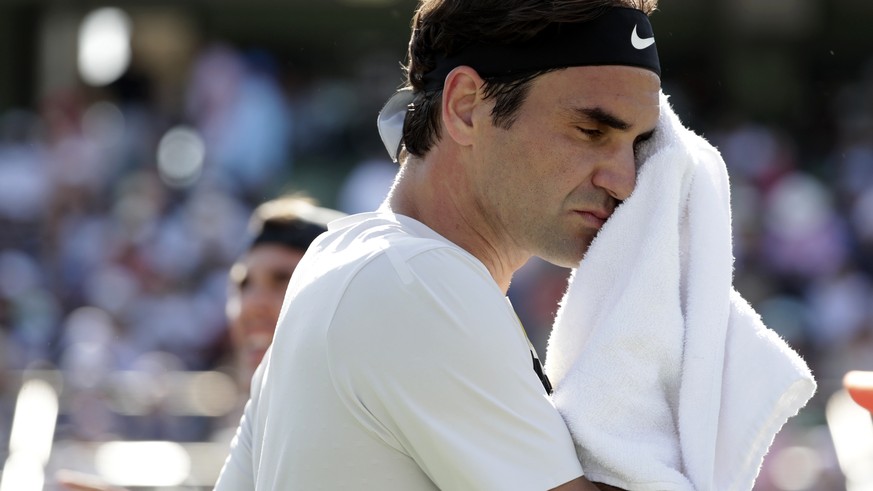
(590, 133)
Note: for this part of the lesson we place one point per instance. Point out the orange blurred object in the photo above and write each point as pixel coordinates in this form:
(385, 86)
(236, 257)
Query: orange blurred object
(859, 384)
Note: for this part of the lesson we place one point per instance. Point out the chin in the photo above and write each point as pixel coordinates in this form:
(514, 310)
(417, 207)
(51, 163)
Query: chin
(568, 258)
(565, 261)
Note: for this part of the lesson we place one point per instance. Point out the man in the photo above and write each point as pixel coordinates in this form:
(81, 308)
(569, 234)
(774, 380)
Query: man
(281, 231)
(398, 363)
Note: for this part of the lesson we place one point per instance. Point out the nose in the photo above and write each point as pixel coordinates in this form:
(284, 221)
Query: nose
(617, 175)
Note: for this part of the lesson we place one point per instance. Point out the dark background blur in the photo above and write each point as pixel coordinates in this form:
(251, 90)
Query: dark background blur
(136, 137)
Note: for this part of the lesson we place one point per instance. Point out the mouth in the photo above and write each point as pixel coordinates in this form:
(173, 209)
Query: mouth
(594, 218)
(252, 357)
(254, 345)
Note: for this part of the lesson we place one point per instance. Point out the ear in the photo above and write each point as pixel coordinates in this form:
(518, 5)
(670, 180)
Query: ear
(460, 98)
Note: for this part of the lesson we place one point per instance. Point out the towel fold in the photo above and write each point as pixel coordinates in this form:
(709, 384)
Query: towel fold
(666, 377)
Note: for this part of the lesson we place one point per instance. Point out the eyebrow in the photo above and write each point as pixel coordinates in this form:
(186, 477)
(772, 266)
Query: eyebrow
(602, 116)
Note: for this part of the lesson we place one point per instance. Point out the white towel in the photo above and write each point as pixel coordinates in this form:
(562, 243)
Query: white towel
(666, 377)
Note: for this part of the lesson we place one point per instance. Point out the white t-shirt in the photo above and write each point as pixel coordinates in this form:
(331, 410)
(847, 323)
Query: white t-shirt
(397, 364)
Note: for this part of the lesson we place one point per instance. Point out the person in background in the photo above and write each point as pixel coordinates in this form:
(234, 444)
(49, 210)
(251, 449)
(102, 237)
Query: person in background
(280, 231)
(398, 362)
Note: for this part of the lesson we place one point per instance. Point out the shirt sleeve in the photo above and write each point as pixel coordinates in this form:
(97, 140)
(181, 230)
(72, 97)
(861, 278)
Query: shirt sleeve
(237, 474)
(428, 355)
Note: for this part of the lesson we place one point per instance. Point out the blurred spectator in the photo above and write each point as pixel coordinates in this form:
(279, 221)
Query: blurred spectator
(281, 231)
(244, 117)
(367, 185)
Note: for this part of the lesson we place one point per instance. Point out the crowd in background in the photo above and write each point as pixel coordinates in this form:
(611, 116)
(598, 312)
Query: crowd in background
(118, 224)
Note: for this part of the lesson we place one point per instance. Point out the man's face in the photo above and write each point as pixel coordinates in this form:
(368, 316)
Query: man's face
(257, 289)
(554, 177)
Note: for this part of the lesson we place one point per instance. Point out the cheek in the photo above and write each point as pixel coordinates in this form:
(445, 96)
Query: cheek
(533, 163)
(554, 169)
(277, 291)
(570, 165)
(546, 152)
(276, 300)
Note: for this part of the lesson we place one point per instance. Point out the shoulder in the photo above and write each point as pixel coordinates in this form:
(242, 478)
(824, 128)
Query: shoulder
(427, 281)
(404, 258)
(409, 297)
(413, 309)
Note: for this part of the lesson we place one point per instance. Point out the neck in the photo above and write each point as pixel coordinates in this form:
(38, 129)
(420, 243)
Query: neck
(435, 191)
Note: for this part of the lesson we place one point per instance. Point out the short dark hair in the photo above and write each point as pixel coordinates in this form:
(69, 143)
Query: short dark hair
(290, 221)
(443, 27)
